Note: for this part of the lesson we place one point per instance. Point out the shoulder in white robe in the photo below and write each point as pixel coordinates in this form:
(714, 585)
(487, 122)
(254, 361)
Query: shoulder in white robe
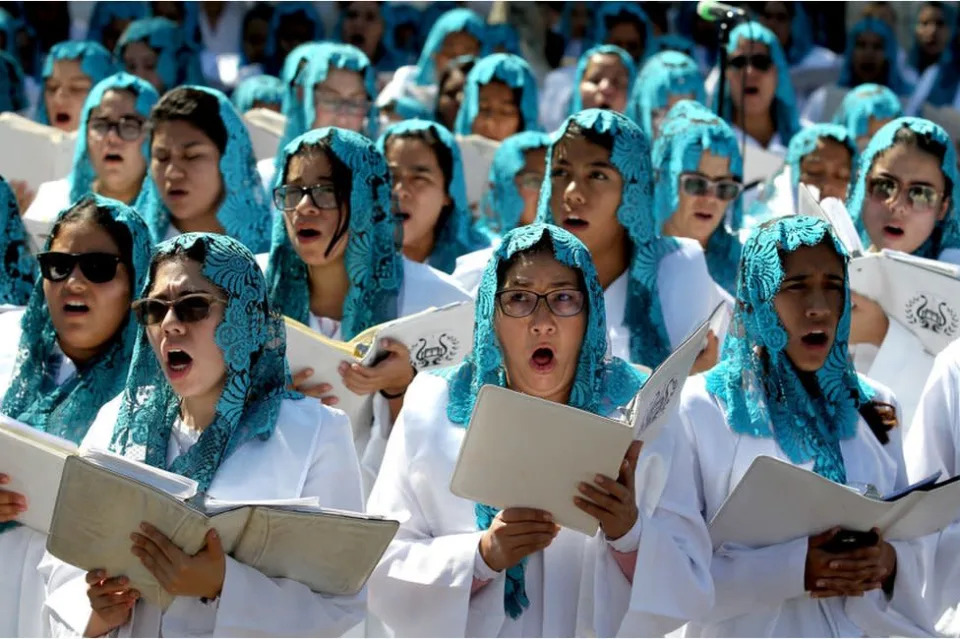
(470, 267)
(52, 197)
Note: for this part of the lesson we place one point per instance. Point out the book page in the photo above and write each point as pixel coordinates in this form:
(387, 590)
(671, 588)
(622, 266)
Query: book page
(436, 337)
(477, 154)
(265, 128)
(165, 481)
(43, 153)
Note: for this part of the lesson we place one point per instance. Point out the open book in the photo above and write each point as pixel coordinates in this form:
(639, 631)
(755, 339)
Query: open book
(833, 211)
(104, 498)
(477, 153)
(776, 502)
(266, 129)
(437, 336)
(523, 451)
(759, 165)
(34, 152)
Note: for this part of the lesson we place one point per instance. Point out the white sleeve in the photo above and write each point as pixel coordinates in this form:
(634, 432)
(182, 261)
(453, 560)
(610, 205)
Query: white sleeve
(931, 442)
(902, 365)
(922, 91)
(687, 292)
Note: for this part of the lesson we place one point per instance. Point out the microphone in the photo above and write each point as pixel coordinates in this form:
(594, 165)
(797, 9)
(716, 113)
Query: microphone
(718, 12)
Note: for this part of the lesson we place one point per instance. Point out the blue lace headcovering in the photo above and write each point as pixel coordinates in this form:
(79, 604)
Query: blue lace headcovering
(292, 76)
(106, 12)
(259, 88)
(801, 34)
(19, 268)
(453, 21)
(864, 102)
(674, 42)
(503, 201)
(761, 391)
(805, 142)
(189, 23)
(283, 10)
(605, 11)
(176, 63)
(503, 37)
(513, 71)
(12, 94)
(946, 233)
(891, 52)
(649, 341)
(95, 61)
(373, 263)
(397, 15)
(664, 75)
(576, 102)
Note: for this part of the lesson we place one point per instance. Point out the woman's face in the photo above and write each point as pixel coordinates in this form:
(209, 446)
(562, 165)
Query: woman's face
(605, 83)
(894, 218)
(873, 125)
(528, 181)
(311, 227)
(776, 17)
(65, 92)
(86, 315)
(455, 45)
(498, 116)
(752, 89)
(450, 97)
(585, 193)
(809, 303)
(698, 216)
(112, 31)
(869, 60)
(255, 37)
(118, 162)
(187, 351)
(363, 26)
(419, 188)
(827, 167)
(628, 37)
(185, 167)
(341, 100)
(140, 60)
(932, 31)
(541, 350)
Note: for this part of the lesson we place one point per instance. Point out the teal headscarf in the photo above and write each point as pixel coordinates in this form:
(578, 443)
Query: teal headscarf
(949, 11)
(607, 11)
(503, 202)
(513, 71)
(145, 96)
(19, 268)
(292, 76)
(68, 410)
(674, 42)
(600, 384)
(106, 12)
(576, 102)
(759, 388)
(452, 21)
(946, 233)
(407, 108)
(259, 88)
(689, 130)
(252, 341)
(395, 16)
(176, 62)
(189, 23)
(630, 154)
(801, 33)
(373, 263)
(864, 102)
(784, 101)
(664, 75)
(9, 26)
(504, 36)
(12, 95)
(282, 10)
(244, 211)
(805, 142)
(890, 47)
(95, 61)
(458, 236)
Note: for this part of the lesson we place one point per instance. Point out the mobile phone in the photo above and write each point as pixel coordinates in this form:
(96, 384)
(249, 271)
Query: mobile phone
(847, 540)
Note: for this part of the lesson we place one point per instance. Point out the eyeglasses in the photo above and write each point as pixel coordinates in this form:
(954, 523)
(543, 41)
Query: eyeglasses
(98, 268)
(188, 308)
(127, 127)
(516, 302)
(287, 197)
(529, 180)
(920, 197)
(699, 186)
(339, 105)
(759, 61)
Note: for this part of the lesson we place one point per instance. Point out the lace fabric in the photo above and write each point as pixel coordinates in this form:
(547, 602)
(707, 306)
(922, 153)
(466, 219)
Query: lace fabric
(145, 96)
(19, 267)
(177, 63)
(503, 203)
(664, 75)
(513, 71)
(891, 50)
(452, 21)
(244, 211)
(95, 61)
(649, 341)
(373, 263)
(458, 236)
(292, 76)
(761, 392)
(946, 232)
(689, 130)
(253, 344)
(805, 142)
(266, 89)
(576, 102)
(864, 102)
(600, 383)
(605, 11)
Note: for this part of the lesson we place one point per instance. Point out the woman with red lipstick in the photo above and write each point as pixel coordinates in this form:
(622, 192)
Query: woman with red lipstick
(540, 330)
(70, 71)
(784, 389)
(63, 358)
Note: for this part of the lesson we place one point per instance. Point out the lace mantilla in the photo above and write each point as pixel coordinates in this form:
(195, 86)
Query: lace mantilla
(864, 102)
(576, 102)
(265, 89)
(665, 74)
(503, 203)
(452, 21)
(95, 61)
(605, 11)
(891, 51)
(19, 267)
(177, 63)
(513, 71)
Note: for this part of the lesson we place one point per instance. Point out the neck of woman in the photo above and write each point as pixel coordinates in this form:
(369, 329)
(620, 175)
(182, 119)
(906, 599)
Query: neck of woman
(125, 194)
(612, 261)
(761, 129)
(79, 356)
(199, 411)
(329, 284)
(672, 229)
(422, 249)
(206, 223)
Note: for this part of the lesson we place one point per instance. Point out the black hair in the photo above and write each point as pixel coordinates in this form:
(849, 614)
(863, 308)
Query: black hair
(575, 130)
(463, 64)
(881, 418)
(342, 177)
(259, 11)
(195, 107)
(444, 159)
(543, 246)
(928, 144)
(86, 210)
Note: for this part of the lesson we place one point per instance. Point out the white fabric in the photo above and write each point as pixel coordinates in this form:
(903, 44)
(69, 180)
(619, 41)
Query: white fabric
(403, 84)
(309, 454)
(922, 90)
(775, 145)
(555, 97)
(815, 105)
(226, 37)
(470, 267)
(760, 592)
(266, 170)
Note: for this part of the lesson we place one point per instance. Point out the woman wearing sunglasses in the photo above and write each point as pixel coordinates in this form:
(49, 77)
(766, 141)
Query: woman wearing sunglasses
(784, 389)
(540, 330)
(153, 49)
(203, 172)
(600, 188)
(63, 358)
(19, 269)
(206, 398)
(865, 109)
(334, 265)
(70, 71)
(604, 79)
(665, 79)
(499, 98)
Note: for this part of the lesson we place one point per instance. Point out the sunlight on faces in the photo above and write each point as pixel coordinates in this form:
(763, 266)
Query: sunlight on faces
(540, 351)
(82, 333)
(141, 60)
(455, 45)
(450, 97)
(698, 216)
(931, 31)
(119, 164)
(498, 116)
(810, 302)
(65, 92)
(627, 36)
(419, 188)
(757, 89)
(193, 343)
(185, 167)
(534, 167)
(605, 83)
(340, 100)
(362, 26)
(828, 168)
(310, 228)
(869, 60)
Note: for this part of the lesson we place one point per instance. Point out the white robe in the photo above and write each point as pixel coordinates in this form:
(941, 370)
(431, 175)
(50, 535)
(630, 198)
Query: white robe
(760, 592)
(310, 454)
(470, 268)
(422, 586)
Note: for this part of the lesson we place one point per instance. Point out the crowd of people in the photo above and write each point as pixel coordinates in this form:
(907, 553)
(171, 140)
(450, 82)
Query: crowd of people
(635, 187)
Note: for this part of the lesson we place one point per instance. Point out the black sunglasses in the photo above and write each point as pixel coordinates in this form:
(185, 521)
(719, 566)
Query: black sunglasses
(189, 308)
(759, 61)
(98, 268)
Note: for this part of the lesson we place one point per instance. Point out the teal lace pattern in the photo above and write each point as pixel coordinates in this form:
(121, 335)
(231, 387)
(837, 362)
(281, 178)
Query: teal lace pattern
(177, 63)
(19, 268)
(665, 74)
(453, 21)
(891, 51)
(266, 89)
(576, 102)
(864, 102)
(805, 142)
(95, 61)
(292, 76)
(503, 203)
(513, 71)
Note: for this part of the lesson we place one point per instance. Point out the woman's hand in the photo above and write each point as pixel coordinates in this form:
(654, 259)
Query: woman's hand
(850, 573)
(514, 534)
(392, 375)
(111, 599)
(319, 391)
(708, 357)
(180, 574)
(12, 504)
(23, 193)
(868, 322)
(613, 502)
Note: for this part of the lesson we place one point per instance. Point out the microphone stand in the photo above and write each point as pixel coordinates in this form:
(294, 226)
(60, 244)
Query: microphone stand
(725, 24)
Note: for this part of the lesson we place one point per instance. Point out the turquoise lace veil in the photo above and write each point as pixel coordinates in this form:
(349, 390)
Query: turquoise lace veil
(292, 76)
(176, 64)
(605, 11)
(95, 61)
(891, 51)
(805, 142)
(106, 12)
(665, 74)
(19, 268)
(864, 102)
(503, 203)
(503, 36)
(509, 69)
(576, 102)
(259, 88)
(452, 21)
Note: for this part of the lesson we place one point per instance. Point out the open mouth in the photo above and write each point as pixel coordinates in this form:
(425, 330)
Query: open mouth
(815, 339)
(574, 223)
(703, 215)
(542, 359)
(895, 231)
(178, 362)
(113, 157)
(62, 118)
(307, 234)
(751, 90)
(176, 192)
(402, 216)
(75, 308)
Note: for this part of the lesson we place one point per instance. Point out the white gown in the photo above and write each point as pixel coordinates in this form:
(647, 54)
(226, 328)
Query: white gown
(760, 592)
(574, 586)
(470, 268)
(309, 454)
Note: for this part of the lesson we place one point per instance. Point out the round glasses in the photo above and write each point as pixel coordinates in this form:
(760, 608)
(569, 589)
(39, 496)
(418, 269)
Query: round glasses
(920, 197)
(128, 128)
(288, 196)
(515, 302)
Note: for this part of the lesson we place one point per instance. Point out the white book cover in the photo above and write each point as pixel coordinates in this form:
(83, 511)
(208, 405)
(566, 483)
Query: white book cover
(42, 153)
(759, 165)
(477, 153)
(265, 128)
(833, 211)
